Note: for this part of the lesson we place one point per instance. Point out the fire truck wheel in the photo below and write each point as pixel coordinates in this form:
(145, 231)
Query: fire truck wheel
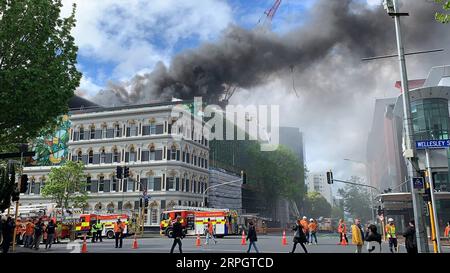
(169, 232)
(110, 234)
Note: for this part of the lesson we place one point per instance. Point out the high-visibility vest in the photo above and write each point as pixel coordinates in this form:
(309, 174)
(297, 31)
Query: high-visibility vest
(390, 231)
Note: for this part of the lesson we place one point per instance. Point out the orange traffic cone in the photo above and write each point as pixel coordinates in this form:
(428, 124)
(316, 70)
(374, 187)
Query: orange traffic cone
(344, 242)
(84, 248)
(197, 242)
(135, 244)
(243, 241)
(283, 240)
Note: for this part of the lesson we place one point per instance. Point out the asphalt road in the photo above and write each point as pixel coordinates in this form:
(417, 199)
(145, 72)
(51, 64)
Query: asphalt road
(265, 244)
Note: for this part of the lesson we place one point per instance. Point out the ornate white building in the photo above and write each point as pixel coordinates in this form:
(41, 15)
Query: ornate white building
(174, 170)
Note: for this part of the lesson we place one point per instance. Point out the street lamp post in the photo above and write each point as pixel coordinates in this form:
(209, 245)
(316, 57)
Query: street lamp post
(392, 8)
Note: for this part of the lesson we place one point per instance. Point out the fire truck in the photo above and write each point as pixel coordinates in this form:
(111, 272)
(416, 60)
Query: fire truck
(194, 220)
(86, 222)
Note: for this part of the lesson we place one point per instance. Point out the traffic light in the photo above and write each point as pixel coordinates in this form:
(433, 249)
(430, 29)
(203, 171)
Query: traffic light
(126, 172)
(23, 183)
(146, 203)
(244, 177)
(329, 177)
(119, 172)
(140, 202)
(15, 196)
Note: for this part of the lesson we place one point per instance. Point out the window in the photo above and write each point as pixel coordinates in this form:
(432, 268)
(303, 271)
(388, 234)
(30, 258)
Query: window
(157, 184)
(91, 157)
(116, 156)
(145, 130)
(184, 157)
(206, 163)
(154, 216)
(117, 131)
(145, 156)
(130, 184)
(158, 155)
(80, 156)
(103, 156)
(170, 184)
(173, 154)
(110, 133)
(101, 184)
(104, 130)
(114, 184)
(132, 131)
(159, 129)
(92, 134)
(152, 129)
(151, 183)
(88, 183)
(81, 133)
(133, 155)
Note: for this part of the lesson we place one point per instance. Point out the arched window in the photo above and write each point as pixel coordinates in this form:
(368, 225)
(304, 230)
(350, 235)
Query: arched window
(133, 154)
(116, 156)
(102, 156)
(92, 132)
(117, 131)
(80, 156)
(81, 133)
(91, 157)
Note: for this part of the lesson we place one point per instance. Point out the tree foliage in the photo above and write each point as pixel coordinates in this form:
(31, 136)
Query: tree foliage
(37, 68)
(440, 16)
(6, 188)
(316, 205)
(357, 201)
(66, 185)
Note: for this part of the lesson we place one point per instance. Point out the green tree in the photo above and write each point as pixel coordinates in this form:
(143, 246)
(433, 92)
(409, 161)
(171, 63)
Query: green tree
(316, 205)
(66, 185)
(443, 17)
(6, 188)
(37, 68)
(337, 212)
(356, 201)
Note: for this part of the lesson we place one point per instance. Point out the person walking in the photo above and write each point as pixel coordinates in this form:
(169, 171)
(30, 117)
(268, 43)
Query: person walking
(372, 235)
(357, 235)
(447, 231)
(177, 234)
(392, 235)
(251, 236)
(210, 232)
(119, 228)
(304, 223)
(29, 231)
(38, 232)
(99, 230)
(299, 236)
(342, 230)
(410, 238)
(7, 232)
(50, 230)
(312, 227)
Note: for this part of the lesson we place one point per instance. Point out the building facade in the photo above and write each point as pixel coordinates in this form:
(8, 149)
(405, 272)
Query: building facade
(317, 182)
(171, 166)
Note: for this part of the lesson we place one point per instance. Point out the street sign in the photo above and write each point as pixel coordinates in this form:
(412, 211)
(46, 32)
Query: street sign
(433, 144)
(418, 182)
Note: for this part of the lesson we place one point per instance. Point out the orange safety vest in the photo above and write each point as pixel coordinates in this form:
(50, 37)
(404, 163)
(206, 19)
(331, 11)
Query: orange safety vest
(29, 229)
(304, 225)
(119, 228)
(447, 231)
(342, 228)
(312, 226)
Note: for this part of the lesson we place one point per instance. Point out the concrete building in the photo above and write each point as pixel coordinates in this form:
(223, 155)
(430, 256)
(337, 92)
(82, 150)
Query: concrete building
(317, 182)
(227, 196)
(170, 165)
(431, 120)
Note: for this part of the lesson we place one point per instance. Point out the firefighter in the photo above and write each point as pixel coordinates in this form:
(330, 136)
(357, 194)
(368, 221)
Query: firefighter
(119, 228)
(99, 229)
(392, 235)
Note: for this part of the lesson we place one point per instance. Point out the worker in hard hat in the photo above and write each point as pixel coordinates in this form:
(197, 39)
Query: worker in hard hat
(391, 235)
(312, 226)
(305, 224)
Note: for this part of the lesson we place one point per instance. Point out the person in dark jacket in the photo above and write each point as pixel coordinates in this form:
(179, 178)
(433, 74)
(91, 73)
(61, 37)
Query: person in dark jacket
(410, 238)
(177, 234)
(7, 232)
(50, 229)
(251, 236)
(372, 236)
(299, 237)
(38, 232)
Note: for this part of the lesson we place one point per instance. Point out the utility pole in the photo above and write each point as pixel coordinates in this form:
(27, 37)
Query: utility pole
(409, 153)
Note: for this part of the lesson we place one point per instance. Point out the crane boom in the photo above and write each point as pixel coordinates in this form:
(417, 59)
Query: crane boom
(273, 10)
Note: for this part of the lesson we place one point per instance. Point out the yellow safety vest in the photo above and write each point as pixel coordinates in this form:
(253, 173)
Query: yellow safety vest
(390, 230)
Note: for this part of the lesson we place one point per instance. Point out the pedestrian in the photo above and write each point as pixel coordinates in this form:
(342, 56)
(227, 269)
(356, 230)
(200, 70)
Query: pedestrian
(312, 227)
(304, 223)
(8, 232)
(372, 235)
(38, 232)
(99, 228)
(447, 231)
(251, 236)
(299, 236)
(50, 230)
(94, 233)
(357, 235)
(392, 235)
(342, 230)
(119, 228)
(210, 232)
(29, 231)
(177, 234)
(410, 238)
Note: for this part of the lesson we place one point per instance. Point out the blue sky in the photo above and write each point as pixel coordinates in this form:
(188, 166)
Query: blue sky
(118, 39)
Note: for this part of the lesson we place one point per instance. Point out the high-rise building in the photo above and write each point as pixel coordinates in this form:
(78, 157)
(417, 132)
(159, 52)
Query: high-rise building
(317, 182)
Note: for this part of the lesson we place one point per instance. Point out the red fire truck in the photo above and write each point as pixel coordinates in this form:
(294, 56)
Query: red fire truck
(84, 226)
(194, 220)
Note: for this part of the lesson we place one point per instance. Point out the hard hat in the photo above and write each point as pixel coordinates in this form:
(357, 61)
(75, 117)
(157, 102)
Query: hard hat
(390, 220)
(304, 217)
(311, 219)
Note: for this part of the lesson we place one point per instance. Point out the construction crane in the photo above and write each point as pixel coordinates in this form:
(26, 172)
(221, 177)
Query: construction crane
(230, 89)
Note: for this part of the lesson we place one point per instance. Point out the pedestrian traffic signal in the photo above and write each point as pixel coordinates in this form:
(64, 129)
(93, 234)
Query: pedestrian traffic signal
(119, 172)
(126, 172)
(23, 183)
(329, 177)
